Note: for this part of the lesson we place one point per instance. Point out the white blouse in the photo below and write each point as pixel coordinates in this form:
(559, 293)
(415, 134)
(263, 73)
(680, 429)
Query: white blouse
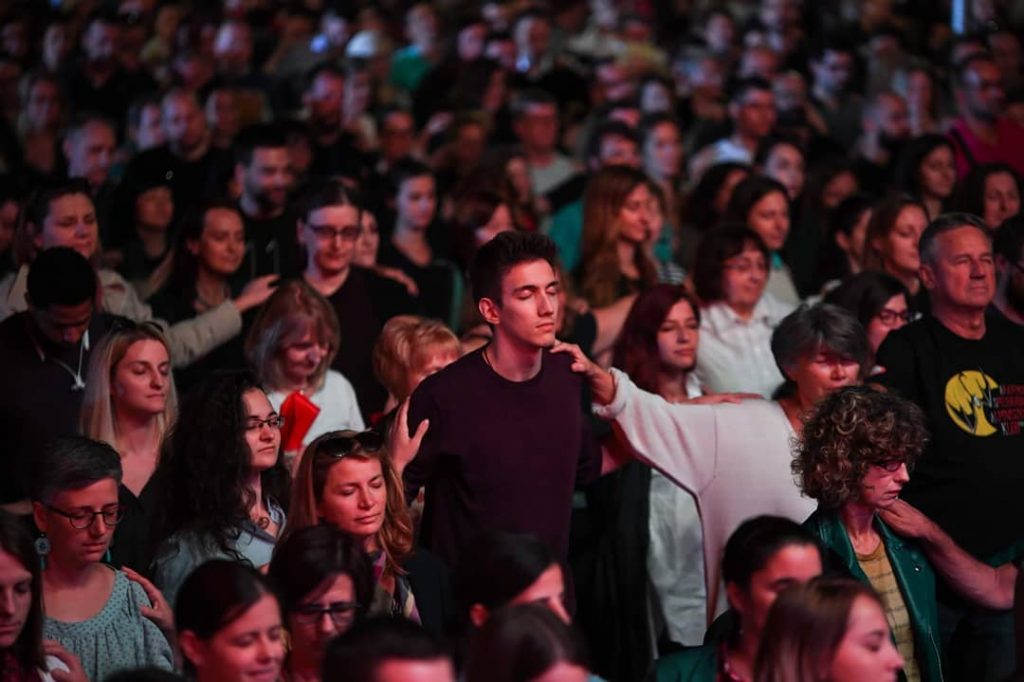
(736, 354)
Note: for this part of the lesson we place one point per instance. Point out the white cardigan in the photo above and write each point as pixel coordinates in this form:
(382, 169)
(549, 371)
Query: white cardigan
(735, 459)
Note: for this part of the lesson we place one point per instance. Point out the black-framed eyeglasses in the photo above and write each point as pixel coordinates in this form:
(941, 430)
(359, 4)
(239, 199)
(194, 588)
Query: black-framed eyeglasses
(889, 317)
(339, 445)
(342, 613)
(83, 519)
(275, 422)
(326, 233)
(892, 465)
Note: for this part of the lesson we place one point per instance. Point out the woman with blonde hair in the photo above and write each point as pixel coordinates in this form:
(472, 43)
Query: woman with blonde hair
(409, 349)
(130, 403)
(618, 218)
(291, 346)
(345, 479)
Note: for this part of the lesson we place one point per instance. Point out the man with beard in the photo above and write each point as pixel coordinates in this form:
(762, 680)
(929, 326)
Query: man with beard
(982, 134)
(263, 171)
(1009, 249)
(334, 152)
(886, 128)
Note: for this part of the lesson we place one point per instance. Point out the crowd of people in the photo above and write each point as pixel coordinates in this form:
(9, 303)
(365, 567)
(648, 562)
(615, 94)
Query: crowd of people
(511, 340)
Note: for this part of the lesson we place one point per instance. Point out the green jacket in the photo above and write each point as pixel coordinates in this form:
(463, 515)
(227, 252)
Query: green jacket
(914, 575)
(699, 664)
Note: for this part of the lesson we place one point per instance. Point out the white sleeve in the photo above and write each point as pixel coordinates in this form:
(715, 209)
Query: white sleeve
(681, 441)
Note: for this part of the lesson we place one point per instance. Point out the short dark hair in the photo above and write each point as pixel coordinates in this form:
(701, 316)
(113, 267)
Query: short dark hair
(745, 85)
(494, 259)
(60, 276)
(314, 554)
(504, 564)
(71, 463)
(769, 143)
(866, 293)
(215, 594)
(808, 329)
(843, 218)
(523, 642)
(405, 169)
(609, 129)
(970, 195)
(85, 119)
(748, 192)
(355, 656)
(1009, 239)
(754, 542)
(719, 245)
(530, 97)
(947, 222)
(328, 192)
(258, 136)
(965, 66)
(35, 211)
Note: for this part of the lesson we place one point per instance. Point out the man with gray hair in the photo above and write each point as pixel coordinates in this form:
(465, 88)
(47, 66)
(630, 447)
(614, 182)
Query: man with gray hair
(965, 369)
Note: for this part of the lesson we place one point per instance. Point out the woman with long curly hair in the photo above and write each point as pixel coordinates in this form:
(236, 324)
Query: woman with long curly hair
(618, 219)
(225, 483)
(854, 459)
(345, 479)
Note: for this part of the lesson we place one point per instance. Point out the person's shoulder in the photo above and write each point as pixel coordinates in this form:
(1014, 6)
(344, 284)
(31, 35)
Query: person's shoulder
(337, 383)
(697, 664)
(466, 369)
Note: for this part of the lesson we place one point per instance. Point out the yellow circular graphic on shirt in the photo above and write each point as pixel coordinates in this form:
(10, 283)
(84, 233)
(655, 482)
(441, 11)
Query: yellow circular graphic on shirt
(970, 402)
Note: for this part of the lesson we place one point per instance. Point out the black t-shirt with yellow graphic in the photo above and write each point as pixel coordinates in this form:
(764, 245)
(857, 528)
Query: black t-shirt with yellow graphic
(971, 478)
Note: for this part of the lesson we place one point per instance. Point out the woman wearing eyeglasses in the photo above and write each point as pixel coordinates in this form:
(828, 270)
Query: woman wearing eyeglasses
(853, 459)
(109, 621)
(345, 479)
(879, 301)
(737, 315)
(224, 480)
(325, 583)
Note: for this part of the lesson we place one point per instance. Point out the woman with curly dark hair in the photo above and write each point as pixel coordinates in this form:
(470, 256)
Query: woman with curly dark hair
(854, 459)
(225, 482)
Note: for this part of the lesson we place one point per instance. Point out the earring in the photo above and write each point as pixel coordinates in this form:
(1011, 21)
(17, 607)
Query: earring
(42, 544)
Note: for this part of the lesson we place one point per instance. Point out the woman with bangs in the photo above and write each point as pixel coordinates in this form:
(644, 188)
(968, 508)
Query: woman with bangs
(346, 480)
(291, 345)
(854, 459)
(130, 404)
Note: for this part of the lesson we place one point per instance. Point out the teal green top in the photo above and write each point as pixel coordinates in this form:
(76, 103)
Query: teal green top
(408, 67)
(699, 664)
(566, 232)
(914, 575)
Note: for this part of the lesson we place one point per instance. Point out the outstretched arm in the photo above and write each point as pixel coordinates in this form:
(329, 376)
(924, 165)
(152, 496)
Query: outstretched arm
(991, 587)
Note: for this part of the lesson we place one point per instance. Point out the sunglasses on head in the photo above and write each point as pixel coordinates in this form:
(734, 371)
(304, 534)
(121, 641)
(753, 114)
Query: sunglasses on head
(339, 445)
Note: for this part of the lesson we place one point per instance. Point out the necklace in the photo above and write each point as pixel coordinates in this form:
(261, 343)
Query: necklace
(76, 374)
